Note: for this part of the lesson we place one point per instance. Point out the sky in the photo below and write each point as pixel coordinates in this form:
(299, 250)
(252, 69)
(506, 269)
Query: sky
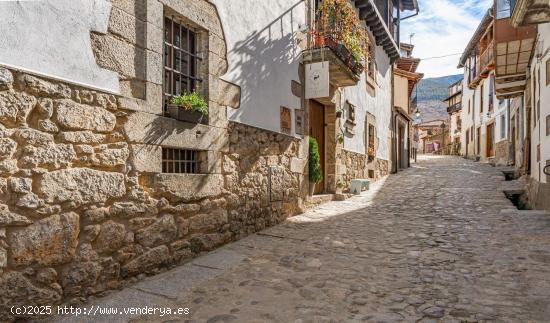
(443, 27)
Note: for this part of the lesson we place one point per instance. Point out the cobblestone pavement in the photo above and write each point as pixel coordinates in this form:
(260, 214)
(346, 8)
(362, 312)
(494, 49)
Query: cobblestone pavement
(436, 243)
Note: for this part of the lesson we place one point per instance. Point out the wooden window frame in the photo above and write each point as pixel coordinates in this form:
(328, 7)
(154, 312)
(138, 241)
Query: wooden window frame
(481, 99)
(371, 143)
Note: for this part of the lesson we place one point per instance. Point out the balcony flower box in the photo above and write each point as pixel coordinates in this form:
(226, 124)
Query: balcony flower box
(189, 107)
(180, 113)
(341, 51)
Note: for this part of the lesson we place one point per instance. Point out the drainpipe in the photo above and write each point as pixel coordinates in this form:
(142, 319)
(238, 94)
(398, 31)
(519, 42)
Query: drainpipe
(509, 126)
(393, 126)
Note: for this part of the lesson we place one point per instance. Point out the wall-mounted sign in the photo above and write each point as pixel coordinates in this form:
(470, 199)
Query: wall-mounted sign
(299, 126)
(317, 80)
(286, 120)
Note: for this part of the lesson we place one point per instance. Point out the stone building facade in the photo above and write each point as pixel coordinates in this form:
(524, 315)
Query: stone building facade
(100, 184)
(519, 122)
(85, 201)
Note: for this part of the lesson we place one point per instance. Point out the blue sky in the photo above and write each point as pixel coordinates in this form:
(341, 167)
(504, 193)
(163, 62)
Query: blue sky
(443, 27)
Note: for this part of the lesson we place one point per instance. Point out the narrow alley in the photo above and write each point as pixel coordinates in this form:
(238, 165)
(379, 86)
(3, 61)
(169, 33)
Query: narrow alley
(437, 242)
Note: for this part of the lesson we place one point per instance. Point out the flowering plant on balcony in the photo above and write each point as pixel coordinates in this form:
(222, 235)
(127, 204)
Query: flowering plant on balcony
(338, 27)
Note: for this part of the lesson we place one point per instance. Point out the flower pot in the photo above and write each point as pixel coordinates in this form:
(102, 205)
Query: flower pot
(311, 188)
(319, 41)
(183, 114)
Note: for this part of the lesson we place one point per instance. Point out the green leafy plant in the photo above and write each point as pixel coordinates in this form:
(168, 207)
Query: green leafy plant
(192, 102)
(354, 45)
(315, 172)
(338, 20)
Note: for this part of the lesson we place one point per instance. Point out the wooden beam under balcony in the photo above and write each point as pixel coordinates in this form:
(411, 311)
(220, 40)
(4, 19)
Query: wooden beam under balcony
(513, 48)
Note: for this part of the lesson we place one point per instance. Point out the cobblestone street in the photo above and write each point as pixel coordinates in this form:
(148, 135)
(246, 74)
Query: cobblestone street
(437, 242)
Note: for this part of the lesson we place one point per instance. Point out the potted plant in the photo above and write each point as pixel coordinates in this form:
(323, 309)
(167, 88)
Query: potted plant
(190, 107)
(315, 171)
(339, 22)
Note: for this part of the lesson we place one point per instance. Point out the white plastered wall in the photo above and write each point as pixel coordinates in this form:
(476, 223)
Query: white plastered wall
(467, 121)
(379, 106)
(538, 134)
(52, 38)
(264, 55)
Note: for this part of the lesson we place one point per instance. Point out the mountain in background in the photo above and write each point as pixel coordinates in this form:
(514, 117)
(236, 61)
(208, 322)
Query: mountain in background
(431, 92)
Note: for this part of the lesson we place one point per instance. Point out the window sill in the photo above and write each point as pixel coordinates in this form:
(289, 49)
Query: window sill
(188, 187)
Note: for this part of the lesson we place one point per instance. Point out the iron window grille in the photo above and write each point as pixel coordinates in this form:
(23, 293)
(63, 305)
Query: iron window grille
(181, 60)
(180, 161)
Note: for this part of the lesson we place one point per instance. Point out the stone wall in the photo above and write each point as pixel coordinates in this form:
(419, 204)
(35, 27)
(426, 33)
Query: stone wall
(78, 218)
(264, 174)
(503, 153)
(537, 194)
(357, 166)
(382, 168)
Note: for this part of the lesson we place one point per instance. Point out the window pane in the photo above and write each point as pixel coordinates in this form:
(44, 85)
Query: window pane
(177, 37)
(181, 65)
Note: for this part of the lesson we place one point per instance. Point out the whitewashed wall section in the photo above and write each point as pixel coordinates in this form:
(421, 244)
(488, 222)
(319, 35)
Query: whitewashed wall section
(264, 57)
(379, 106)
(52, 38)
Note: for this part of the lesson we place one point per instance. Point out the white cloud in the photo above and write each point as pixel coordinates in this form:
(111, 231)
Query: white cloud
(443, 27)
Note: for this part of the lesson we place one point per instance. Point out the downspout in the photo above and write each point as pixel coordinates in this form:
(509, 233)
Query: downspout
(393, 125)
(509, 126)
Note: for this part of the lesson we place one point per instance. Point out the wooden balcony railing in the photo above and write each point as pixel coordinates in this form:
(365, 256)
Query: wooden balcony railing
(332, 40)
(454, 108)
(338, 27)
(487, 58)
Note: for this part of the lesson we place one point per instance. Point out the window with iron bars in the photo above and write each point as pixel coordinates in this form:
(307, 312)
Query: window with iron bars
(181, 60)
(181, 161)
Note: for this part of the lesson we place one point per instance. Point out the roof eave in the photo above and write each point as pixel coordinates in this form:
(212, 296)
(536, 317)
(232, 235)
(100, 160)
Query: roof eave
(369, 13)
(477, 34)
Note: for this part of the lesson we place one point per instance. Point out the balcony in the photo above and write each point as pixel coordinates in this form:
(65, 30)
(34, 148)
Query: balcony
(484, 64)
(344, 69)
(454, 108)
(487, 60)
(528, 12)
(338, 38)
(514, 49)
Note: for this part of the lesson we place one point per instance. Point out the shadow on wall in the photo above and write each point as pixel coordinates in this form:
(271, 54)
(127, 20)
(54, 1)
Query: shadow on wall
(270, 54)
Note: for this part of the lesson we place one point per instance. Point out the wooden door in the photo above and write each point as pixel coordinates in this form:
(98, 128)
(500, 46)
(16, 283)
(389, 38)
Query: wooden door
(317, 131)
(401, 153)
(491, 140)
